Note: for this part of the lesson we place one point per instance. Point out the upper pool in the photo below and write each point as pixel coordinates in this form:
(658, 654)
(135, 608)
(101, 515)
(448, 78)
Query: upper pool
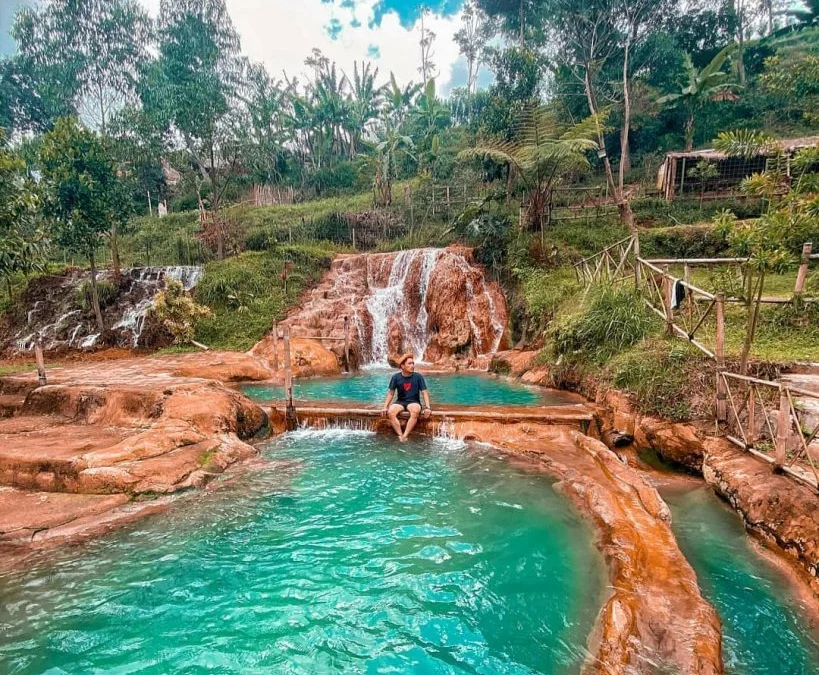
(370, 386)
(346, 553)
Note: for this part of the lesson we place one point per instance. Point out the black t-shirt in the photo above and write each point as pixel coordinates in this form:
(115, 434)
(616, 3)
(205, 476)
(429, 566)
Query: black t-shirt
(409, 388)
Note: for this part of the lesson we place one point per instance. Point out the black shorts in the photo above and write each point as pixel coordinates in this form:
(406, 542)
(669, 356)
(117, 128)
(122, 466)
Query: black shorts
(407, 404)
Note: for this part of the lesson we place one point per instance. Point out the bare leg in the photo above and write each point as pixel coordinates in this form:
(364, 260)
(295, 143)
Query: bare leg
(414, 411)
(392, 413)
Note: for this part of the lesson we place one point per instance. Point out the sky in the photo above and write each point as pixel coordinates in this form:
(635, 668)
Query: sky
(281, 34)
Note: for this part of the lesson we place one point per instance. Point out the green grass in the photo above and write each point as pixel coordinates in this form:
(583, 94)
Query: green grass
(246, 293)
(11, 369)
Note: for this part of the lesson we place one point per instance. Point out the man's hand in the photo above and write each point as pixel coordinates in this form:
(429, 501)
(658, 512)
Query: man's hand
(385, 412)
(427, 413)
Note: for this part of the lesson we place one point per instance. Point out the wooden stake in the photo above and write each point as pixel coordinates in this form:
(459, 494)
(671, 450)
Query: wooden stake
(802, 274)
(783, 429)
(719, 353)
(275, 346)
(38, 356)
(669, 294)
(347, 343)
(290, 414)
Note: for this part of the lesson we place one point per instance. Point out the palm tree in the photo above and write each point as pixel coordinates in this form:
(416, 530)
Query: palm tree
(543, 152)
(399, 101)
(366, 100)
(703, 85)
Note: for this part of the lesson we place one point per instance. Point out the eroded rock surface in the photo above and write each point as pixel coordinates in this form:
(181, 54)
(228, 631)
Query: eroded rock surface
(435, 303)
(79, 451)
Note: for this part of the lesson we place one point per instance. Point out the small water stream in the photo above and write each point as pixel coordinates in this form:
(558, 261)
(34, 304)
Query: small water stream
(765, 630)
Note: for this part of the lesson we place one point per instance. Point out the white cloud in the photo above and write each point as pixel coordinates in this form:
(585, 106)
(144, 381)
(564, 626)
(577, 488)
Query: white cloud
(282, 33)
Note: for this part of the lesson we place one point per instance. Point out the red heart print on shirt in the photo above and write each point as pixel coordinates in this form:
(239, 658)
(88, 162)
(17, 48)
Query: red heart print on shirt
(407, 386)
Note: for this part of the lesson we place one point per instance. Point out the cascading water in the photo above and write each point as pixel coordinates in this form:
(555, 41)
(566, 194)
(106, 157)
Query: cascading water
(392, 301)
(431, 302)
(126, 315)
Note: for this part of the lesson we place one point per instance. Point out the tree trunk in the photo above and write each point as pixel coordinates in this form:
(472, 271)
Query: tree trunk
(689, 133)
(95, 298)
(115, 248)
(522, 26)
(625, 158)
(750, 328)
(623, 204)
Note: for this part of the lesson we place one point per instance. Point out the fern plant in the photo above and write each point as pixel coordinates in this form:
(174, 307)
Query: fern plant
(542, 152)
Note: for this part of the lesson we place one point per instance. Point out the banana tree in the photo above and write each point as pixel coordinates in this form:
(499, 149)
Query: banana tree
(391, 144)
(543, 152)
(708, 84)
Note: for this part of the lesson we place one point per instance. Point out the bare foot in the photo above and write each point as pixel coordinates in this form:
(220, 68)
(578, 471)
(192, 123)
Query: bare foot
(403, 439)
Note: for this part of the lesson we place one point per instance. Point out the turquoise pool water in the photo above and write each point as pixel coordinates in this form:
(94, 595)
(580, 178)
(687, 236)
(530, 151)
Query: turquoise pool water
(764, 630)
(346, 553)
(370, 386)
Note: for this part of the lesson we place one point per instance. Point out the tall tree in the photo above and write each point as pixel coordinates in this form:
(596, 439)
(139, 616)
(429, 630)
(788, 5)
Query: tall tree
(192, 92)
(83, 194)
(86, 52)
(471, 38)
(427, 67)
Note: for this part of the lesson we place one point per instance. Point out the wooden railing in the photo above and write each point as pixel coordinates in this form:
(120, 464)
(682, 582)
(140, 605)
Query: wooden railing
(752, 414)
(613, 264)
(760, 415)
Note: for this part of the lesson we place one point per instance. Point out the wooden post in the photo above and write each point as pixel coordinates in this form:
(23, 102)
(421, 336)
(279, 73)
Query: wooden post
(448, 203)
(719, 353)
(637, 265)
(38, 356)
(689, 303)
(669, 299)
(783, 428)
(354, 248)
(290, 410)
(347, 343)
(802, 274)
(433, 200)
(150, 207)
(751, 435)
(276, 346)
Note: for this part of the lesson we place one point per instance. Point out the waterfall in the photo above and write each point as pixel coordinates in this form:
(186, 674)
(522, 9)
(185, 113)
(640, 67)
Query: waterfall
(392, 301)
(127, 315)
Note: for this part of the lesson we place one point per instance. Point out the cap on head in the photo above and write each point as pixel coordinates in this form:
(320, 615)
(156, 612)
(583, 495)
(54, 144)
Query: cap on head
(404, 358)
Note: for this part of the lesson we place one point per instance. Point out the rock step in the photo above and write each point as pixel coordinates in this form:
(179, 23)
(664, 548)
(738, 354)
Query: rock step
(10, 404)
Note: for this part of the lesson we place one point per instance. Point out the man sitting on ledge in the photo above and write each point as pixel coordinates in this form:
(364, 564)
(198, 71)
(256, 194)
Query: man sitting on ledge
(406, 387)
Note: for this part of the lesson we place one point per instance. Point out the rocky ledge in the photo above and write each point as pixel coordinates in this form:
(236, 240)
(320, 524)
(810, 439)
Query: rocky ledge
(780, 511)
(106, 442)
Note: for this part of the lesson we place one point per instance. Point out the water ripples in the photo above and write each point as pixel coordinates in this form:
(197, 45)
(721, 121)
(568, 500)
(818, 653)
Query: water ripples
(346, 553)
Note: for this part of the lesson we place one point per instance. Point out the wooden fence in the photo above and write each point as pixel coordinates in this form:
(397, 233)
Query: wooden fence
(748, 408)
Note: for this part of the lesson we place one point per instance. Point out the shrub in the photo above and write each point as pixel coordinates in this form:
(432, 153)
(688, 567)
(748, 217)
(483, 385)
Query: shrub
(667, 379)
(178, 312)
(106, 292)
(544, 292)
(610, 320)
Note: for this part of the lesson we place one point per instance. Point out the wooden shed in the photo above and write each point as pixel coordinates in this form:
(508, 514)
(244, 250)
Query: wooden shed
(675, 177)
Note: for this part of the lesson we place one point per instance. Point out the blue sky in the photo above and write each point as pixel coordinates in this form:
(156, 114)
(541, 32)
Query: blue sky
(281, 34)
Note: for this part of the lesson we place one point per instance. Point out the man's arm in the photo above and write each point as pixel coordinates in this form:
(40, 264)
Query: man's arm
(427, 406)
(388, 400)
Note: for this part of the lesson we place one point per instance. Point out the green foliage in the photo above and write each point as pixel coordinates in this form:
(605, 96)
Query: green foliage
(178, 312)
(659, 374)
(611, 319)
(545, 292)
(23, 242)
(745, 143)
(246, 293)
(84, 195)
(488, 232)
(684, 241)
(106, 291)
